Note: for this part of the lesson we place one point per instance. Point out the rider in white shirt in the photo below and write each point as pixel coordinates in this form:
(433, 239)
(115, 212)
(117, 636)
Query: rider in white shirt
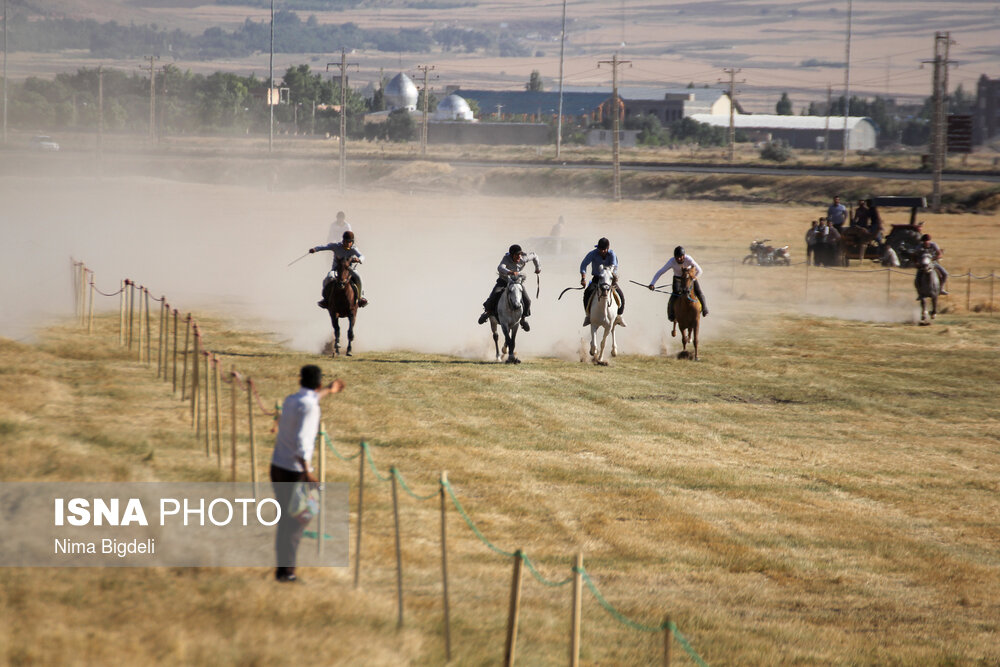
(679, 262)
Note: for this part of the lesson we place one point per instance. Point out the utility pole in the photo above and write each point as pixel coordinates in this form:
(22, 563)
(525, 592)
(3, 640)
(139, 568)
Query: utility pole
(100, 111)
(562, 53)
(938, 142)
(5, 72)
(847, 79)
(826, 133)
(152, 97)
(615, 104)
(732, 110)
(499, 106)
(343, 64)
(423, 125)
(270, 88)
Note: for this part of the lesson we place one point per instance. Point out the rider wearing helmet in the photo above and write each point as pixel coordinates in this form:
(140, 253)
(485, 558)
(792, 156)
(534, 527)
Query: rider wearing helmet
(340, 250)
(928, 246)
(679, 262)
(601, 256)
(511, 266)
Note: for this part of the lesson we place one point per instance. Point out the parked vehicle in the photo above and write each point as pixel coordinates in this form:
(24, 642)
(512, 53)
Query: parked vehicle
(765, 255)
(904, 240)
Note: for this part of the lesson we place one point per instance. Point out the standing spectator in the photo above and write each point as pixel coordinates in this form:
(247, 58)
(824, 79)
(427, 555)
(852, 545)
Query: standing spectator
(337, 228)
(811, 241)
(836, 214)
(293, 450)
(861, 215)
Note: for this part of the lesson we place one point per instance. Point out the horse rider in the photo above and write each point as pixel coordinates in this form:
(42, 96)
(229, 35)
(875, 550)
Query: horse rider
(931, 248)
(338, 227)
(679, 262)
(601, 256)
(340, 250)
(511, 266)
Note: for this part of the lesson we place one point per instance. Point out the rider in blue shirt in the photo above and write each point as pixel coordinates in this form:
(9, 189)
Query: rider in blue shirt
(602, 255)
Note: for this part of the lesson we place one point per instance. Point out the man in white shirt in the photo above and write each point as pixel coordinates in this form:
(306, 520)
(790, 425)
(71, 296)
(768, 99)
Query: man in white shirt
(293, 450)
(338, 227)
(678, 263)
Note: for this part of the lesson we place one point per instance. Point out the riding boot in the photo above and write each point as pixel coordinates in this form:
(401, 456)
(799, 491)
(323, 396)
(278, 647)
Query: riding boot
(701, 298)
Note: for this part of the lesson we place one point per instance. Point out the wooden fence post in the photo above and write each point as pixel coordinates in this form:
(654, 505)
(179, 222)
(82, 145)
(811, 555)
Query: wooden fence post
(514, 610)
(173, 375)
(668, 636)
(361, 513)
(149, 341)
(131, 310)
(90, 313)
(888, 285)
(968, 291)
(253, 440)
(121, 314)
(187, 340)
(399, 560)
(444, 567)
(195, 364)
(993, 276)
(218, 425)
(159, 339)
(321, 523)
(577, 612)
(208, 399)
(232, 418)
(141, 335)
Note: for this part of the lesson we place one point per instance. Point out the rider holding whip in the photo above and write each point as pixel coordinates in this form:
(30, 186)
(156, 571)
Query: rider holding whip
(340, 250)
(678, 263)
(511, 266)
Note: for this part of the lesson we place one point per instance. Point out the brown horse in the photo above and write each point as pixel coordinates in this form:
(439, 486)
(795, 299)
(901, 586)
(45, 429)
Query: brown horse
(341, 301)
(687, 314)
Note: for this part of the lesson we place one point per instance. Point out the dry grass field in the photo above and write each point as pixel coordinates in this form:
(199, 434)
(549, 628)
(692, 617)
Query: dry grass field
(820, 489)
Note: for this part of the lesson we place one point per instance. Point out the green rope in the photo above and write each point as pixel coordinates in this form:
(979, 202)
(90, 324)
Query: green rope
(312, 534)
(537, 575)
(472, 525)
(329, 443)
(621, 618)
(371, 462)
(395, 471)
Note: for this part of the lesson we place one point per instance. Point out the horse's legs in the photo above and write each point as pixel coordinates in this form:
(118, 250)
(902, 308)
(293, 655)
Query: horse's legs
(614, 342)
(593, 341)
(496, 338)
(933, 306)
(604, 341)
(694, 338)
(336, 336)
(350, 334)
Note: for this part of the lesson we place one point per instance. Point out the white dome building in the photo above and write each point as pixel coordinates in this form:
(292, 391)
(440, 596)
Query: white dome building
(401, 93)
(453, 107)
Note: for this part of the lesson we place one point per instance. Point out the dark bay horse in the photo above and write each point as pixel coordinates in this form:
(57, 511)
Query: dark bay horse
(687, 314)
(341, 301)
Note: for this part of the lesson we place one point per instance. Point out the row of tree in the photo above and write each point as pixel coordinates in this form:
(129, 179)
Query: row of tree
(291, 35)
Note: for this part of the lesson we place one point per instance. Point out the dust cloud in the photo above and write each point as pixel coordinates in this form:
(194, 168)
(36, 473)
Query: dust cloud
(430, 260)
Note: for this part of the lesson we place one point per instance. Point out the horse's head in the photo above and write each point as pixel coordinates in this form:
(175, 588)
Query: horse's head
(343, 271)
(515, 292)
(688, 277)
(925, 262)
(605, 281)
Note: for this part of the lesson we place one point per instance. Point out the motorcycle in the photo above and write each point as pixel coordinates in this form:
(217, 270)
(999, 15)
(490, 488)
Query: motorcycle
(765, 255)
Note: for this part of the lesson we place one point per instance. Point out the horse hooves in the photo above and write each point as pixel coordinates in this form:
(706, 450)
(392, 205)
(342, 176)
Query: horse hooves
(348, 353)
(602, 363)
(673, 334)
(924, 323)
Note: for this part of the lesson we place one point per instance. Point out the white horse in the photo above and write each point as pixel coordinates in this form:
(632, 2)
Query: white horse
(928, 286)
(508, 316)
(603, 315)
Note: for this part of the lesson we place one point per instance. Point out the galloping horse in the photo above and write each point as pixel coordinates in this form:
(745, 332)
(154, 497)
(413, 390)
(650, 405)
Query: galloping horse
(341, 301)
(928, 286)
(603, 315)
(687, 314)
(508, 315)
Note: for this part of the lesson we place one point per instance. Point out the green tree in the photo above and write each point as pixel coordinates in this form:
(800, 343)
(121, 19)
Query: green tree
(784, 106)
(534, 83)
(399, 126)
